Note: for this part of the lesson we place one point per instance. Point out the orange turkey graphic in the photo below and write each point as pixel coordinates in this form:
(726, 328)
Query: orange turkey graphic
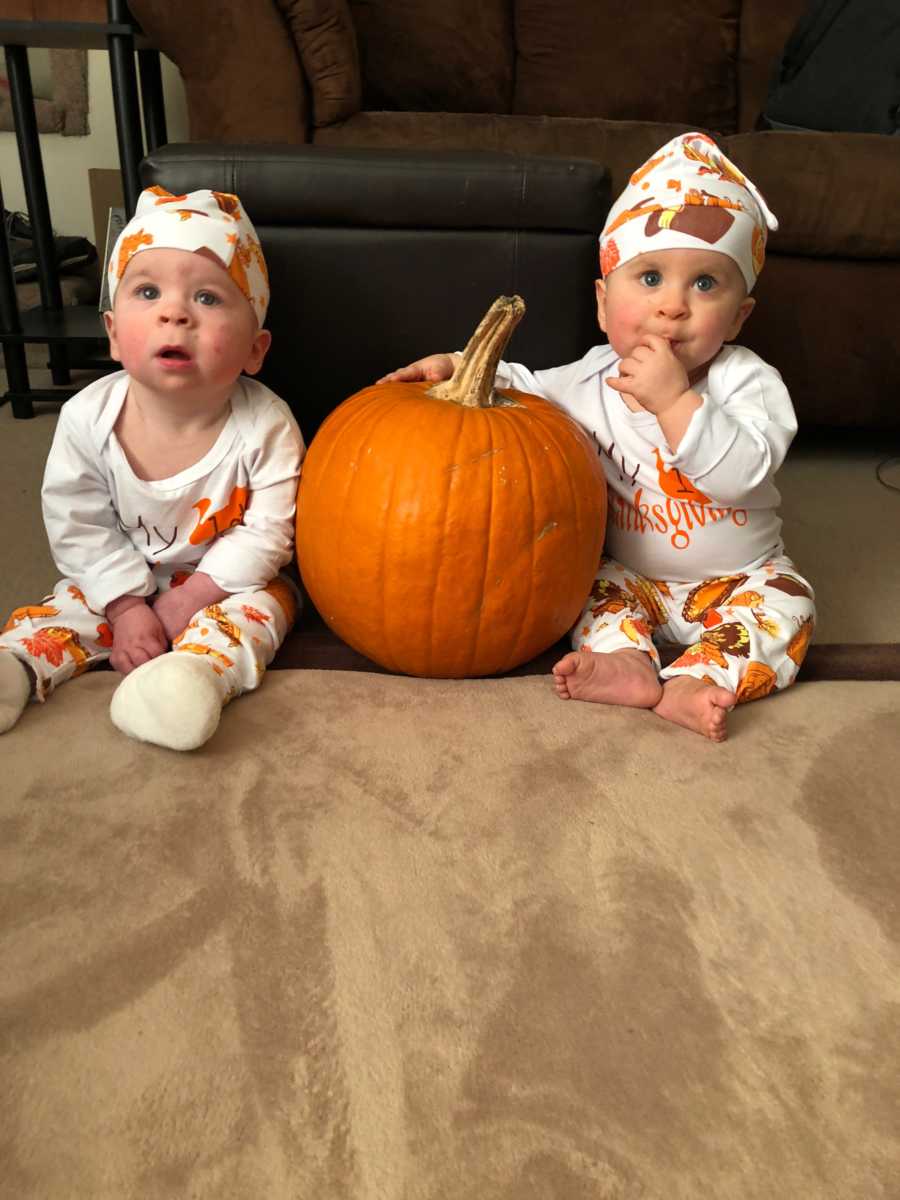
(231, 513)
(673, 483)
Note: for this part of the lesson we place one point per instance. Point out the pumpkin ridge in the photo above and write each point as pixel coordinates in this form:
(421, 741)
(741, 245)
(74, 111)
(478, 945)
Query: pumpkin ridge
(576, 435)
(524, 609)
(376, 414)
(385, 609)
(415, 435)
(474, 647)
(450, 478)
(547, 425)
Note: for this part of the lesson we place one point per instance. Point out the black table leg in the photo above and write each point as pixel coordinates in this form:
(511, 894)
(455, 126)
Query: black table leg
(22, 99)
(13, 352)
(152, 99)
(125, 103)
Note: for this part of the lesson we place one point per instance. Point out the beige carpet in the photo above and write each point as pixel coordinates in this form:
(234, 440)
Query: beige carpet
(393, 939)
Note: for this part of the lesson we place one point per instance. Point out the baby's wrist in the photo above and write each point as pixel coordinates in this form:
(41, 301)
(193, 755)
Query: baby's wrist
(121, 605)
(684, 399)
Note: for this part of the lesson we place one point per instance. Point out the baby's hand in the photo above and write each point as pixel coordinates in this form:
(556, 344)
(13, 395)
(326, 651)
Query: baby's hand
(138, 635)
(175, 607)
(652, 375)
(432, 369)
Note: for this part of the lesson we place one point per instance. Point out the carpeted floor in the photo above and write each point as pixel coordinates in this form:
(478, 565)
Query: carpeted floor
(395, 939)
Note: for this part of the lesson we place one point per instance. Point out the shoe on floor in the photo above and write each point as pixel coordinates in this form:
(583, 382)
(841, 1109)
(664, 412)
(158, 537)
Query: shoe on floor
(68, 251)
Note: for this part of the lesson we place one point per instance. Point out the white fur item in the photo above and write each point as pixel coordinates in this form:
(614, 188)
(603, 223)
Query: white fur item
(172, 701)
(15, 688)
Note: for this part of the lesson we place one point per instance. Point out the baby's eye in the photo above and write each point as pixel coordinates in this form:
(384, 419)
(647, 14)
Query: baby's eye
(705, 283)
(147, 291)
(207, 298)
(651, 278)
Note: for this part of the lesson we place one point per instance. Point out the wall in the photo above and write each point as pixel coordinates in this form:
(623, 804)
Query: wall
(67, 159)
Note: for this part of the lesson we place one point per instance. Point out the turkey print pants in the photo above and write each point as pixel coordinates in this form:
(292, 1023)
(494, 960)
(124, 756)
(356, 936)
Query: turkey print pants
(747, 632)
(62, 637)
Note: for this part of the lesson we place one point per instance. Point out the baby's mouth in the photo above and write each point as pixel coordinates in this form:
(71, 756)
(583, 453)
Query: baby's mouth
(173, 354)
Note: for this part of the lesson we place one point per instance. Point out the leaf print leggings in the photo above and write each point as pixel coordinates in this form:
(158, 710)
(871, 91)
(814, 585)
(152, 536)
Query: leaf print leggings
(747, 632)
(61, 637)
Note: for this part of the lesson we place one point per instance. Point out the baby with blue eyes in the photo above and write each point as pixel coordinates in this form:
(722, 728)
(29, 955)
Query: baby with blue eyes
(691, 429)
(170, 488)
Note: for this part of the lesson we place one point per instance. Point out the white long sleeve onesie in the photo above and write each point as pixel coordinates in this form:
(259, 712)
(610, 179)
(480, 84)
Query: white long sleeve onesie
(709, 507)
(230, 515)
(693, 552)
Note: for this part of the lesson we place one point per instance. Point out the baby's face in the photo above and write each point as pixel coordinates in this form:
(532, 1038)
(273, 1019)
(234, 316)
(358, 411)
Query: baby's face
(180, 324)
(695, 299)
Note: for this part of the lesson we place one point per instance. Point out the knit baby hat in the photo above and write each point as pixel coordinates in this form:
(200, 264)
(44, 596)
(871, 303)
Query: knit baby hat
(201, 220)
(688, 195)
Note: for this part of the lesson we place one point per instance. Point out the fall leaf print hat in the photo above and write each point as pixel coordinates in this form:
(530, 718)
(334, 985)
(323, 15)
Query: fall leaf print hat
(201, 220)
(688, 195)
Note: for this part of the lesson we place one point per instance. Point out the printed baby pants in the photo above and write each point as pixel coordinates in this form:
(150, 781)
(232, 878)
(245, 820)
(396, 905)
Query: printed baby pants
(62, 637)
(747, 632)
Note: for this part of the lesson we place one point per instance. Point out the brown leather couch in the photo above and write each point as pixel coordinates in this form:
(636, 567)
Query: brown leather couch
(584, 79)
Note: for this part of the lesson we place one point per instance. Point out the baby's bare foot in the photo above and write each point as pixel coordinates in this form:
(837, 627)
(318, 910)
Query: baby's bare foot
(622, 677)
(696, 705)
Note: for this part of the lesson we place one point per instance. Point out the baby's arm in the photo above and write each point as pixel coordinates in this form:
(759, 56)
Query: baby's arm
(654, 379)
(251, 554)
(138, 634)
(738, 438)
(174, 608)
(86, 541)
(431, 369)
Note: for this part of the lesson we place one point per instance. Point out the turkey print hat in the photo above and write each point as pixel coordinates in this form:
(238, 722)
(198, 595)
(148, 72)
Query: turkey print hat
(201, 220)
(686, 196)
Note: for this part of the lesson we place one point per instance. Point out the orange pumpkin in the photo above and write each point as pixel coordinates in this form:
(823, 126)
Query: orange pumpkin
(451, 530)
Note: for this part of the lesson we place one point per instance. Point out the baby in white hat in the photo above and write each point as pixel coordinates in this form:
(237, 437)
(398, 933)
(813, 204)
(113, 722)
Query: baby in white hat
(170, 488)
(691, 429)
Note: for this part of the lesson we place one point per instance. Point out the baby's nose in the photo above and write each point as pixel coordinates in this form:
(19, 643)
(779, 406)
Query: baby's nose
(672, 302)
(174, 311)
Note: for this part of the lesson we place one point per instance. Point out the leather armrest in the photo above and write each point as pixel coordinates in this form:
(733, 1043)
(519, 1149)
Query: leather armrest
(242, 75)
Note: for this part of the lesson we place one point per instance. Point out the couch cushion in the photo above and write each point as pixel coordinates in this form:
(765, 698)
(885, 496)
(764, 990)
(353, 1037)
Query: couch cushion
(325, 40)
(834, 194)
(621, 146)
(453, 56)
(586, 60)
(830, 327)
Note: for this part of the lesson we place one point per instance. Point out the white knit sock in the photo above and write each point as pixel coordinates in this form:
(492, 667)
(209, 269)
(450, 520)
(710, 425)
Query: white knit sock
(173, 700)
(15, 688)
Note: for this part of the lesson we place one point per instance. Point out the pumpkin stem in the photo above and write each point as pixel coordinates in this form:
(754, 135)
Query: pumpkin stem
(472, 383)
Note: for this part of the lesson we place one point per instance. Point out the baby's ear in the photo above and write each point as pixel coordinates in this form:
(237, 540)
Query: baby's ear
(745, 308)
(258, 351)
(600, 289)
(110, 323)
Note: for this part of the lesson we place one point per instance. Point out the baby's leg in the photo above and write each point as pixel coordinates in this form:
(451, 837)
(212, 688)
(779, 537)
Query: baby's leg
(752, 639)
(615, 660)
(15, 689)
(176, 700)
(43, 645)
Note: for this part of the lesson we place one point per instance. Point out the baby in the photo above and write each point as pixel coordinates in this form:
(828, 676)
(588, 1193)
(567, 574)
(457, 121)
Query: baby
(692, 431)
(170, 487)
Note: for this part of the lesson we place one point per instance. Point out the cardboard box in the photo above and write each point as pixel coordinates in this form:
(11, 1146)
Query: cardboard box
(106, 193)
